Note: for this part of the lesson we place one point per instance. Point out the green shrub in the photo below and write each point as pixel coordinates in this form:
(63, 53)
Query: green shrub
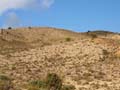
(38, 83)
(5, 83)
(68, 87)
(53, 82)
(67, 39)
(5, 78)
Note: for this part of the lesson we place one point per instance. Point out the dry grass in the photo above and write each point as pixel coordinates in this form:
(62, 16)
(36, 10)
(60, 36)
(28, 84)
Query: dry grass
(28, 54)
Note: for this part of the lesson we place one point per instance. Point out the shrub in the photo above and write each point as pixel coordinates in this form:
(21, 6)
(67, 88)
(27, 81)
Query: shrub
(93, 36)
(105, 52)
(53, 82)
(68, 39)
(38, 83)
(5, 78)
(29, 27)
(88, 31)
(9, 27)
(5, 83)
(68, 87)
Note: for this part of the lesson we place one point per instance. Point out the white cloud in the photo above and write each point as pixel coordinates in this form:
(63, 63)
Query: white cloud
(6, 5)
(12, 20)
(7, 8)
(47, 3)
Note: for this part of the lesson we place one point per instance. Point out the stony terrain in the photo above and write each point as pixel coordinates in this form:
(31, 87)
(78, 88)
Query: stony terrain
(89, 61)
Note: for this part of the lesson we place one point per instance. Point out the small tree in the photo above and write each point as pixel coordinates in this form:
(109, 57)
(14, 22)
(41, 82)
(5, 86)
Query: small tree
(88, 31)
(29, 27)
(9, 27)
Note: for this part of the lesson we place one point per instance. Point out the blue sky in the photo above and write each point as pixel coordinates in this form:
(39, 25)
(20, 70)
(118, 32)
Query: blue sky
(76, 15)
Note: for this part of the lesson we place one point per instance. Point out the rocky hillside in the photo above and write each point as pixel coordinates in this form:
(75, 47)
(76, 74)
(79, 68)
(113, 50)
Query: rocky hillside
(89, 61)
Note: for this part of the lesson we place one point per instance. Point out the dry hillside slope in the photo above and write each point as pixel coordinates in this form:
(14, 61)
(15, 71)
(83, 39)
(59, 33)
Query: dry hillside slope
(89, 61)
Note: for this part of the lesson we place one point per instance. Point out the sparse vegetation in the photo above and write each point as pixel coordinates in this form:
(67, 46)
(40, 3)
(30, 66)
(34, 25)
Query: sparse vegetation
(88, 31)
(105, 52)
(29, 27)
(68, 39)
(28, 54)
(5, 78)
(68, 87)
(5, 83)
(38, 83)
(9, 27)
(93, 36)
(52, 82)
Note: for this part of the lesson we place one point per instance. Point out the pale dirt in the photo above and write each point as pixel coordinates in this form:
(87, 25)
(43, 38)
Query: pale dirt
(82, 62)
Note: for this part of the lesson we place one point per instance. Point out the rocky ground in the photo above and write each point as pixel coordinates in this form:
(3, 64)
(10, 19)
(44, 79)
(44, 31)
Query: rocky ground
(88, 63)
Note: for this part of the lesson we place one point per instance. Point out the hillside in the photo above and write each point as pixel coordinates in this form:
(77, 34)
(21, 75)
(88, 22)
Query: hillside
(89, 60)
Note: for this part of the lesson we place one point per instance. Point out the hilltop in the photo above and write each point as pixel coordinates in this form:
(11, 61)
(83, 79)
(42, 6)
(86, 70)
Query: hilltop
(89, 60)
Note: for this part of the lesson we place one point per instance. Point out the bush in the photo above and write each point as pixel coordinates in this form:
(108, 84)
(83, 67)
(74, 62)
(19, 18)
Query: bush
(88, 31)
(38, 83)
(9, 27)
(53, 82)
(29, 27)
(105, 52)
(5, 83)
(68, 87)
(93, 36)
(68, 39)
(5, 78)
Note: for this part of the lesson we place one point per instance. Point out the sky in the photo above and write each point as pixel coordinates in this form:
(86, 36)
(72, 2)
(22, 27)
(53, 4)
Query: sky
(76, 15)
